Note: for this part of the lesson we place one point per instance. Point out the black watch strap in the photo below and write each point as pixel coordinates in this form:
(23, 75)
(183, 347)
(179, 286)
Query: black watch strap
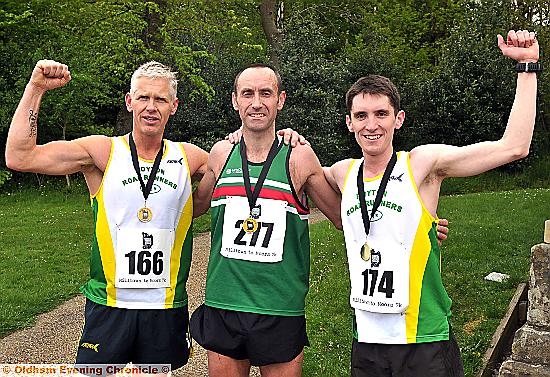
(529, 67)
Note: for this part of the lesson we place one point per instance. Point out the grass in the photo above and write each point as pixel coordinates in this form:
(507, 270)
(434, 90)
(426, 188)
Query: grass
(45, 248)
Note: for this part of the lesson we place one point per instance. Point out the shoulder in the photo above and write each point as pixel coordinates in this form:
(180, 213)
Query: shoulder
(193, 150)
(97, 146)
(303, 154)
(339, 170)
(221, 149)
(424, 157)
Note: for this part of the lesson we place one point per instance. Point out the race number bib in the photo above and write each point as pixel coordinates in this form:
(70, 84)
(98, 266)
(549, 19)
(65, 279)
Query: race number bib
(265, 244)
(143, 258)
(381, 283)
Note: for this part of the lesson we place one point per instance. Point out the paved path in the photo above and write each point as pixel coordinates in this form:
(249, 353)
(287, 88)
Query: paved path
(54, 337)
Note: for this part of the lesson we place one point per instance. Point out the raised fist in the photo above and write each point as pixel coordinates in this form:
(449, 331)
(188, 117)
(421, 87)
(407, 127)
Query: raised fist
(49, 74)
(521, 45)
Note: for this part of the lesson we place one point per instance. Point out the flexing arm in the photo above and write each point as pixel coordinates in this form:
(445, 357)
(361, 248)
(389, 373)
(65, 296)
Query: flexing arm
(448, 161)
(22, 152)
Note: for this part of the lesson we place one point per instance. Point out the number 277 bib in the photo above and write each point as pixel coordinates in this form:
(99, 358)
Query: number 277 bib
(265, 244)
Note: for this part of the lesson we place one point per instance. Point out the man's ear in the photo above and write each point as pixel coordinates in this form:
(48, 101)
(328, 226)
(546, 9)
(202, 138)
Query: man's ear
(348, 123)
(128, 101)
(282, 99)
(174, 106)
(399, 119)
(234, 101)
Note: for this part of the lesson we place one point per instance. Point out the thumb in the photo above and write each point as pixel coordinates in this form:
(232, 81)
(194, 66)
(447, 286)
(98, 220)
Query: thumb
(501, 43)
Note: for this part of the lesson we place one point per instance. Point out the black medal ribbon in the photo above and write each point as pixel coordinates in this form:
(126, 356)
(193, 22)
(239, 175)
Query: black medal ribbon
(145, 188)
(252, 196)
(379, 193)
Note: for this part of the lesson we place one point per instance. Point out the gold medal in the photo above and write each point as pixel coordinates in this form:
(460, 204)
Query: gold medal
(365, 252)
(250, 225)
(145, 215)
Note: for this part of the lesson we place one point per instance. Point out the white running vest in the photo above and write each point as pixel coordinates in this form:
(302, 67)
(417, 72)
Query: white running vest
(141, 260)
(380, 285)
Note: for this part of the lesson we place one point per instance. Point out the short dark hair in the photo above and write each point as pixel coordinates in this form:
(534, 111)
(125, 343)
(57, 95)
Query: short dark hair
(260, 65)
(374, 84)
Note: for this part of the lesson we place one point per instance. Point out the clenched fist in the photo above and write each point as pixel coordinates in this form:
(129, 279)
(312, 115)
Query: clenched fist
(49, 74)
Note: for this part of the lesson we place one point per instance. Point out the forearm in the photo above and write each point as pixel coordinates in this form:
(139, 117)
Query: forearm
(22, 133)
(519, 131)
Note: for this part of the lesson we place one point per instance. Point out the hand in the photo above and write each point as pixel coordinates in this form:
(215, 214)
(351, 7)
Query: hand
(49, 74)
(235, 136)
(292, 137)
(521, 45)
(442, 230)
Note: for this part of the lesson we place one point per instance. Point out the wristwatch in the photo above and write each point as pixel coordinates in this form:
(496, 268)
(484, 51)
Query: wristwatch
(529, 67)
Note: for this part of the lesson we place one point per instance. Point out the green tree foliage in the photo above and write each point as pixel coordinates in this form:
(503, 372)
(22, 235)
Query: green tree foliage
(455, 85)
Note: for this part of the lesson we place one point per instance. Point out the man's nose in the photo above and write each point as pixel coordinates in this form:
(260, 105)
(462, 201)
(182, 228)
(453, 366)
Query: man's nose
(256, 101)
(151, 105)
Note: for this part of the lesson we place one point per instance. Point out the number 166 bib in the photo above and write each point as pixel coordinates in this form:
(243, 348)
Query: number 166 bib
(143, 258)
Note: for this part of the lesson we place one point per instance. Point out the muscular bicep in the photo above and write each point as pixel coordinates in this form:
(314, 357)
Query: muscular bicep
(197, 159)
(59, 157)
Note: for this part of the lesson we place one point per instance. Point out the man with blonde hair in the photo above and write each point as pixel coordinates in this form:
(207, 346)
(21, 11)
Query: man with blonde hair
(141, 197)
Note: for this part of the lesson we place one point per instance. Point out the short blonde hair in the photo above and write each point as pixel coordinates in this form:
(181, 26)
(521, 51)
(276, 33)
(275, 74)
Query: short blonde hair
(155, 70)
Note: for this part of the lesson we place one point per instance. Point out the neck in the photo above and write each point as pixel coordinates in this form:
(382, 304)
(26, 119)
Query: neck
(375, 165)
(147, 146)
(258, 144)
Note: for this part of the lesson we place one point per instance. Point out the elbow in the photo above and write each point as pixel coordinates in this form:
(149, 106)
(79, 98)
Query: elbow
(519, 153)
(337, 221)
(14, 163)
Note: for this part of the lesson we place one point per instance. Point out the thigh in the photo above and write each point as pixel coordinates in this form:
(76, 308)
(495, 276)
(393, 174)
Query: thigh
(107, 336)
(224, 366)
(292, 368)
(163, 337)
(275, 339)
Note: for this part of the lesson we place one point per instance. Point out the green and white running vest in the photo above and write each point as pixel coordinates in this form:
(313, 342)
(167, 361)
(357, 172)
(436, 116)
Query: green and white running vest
(135, 264)
(265, 272)
(397, 294)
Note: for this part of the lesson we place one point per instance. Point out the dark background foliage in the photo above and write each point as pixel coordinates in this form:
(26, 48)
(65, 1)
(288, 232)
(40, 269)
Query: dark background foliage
(456, 87)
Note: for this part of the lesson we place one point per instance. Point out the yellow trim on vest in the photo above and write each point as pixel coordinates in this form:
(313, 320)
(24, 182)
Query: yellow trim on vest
(181, 230)
(420, 252)
(352, 162)
(106, 249)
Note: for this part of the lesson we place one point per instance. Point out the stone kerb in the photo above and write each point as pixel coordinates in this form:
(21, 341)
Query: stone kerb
(531, 346)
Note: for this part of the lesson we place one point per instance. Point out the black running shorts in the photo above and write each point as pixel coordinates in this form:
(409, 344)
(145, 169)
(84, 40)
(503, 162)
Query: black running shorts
(141, 336)
(262, 339)
(435, 359)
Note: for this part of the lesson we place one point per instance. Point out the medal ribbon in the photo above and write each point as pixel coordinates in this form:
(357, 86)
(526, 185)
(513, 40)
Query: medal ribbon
(252, 196)
(379, 193)
(145, 188)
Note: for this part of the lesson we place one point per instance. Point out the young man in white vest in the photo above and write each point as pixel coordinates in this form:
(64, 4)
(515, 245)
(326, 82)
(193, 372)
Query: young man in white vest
(389, 205)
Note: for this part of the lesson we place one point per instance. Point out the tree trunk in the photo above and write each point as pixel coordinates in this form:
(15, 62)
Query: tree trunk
(274, 35)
